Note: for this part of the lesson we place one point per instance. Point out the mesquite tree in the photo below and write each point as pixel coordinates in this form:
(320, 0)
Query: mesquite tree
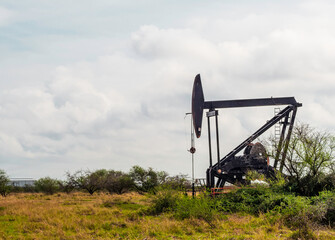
(87, 180)
(310, 160)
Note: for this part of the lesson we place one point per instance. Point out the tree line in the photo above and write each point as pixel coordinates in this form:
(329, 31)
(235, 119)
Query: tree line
(115, 182)
(309, 168)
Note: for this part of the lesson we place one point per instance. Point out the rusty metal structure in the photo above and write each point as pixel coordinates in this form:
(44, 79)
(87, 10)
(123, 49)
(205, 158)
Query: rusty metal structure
(232, 168)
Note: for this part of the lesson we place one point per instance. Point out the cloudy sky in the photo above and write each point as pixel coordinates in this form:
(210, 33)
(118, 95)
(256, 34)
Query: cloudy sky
(106, 84)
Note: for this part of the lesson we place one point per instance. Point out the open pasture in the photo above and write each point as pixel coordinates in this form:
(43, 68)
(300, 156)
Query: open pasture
(104, 216)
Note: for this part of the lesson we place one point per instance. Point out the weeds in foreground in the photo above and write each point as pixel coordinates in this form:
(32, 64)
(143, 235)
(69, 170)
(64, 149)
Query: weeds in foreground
(300, 214)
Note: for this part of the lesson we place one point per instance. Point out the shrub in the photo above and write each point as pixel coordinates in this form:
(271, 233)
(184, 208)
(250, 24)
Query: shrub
(303, 234)
(164, 201)
(249, 200)
(183, 206)
(311, 185)
(26, 189)
(202, 208)
(4, 183)
(323, 209)
(47, 185)
(261, 200)
(297, 212)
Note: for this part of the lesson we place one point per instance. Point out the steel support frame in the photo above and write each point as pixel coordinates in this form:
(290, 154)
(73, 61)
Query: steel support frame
(281, 140)
(212, 171)
(287, 141)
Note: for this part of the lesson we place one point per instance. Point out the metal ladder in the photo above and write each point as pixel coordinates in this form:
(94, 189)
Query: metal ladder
(277, 128)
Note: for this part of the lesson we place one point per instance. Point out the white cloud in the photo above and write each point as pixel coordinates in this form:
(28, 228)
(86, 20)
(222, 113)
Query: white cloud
(155, 43)
(6, 16)
(126, 105)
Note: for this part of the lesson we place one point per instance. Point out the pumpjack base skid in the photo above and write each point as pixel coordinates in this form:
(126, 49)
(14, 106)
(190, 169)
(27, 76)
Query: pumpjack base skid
(233, 168)
(236, 170)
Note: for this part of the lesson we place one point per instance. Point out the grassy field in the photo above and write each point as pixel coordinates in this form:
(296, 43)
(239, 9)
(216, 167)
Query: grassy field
(103, 216)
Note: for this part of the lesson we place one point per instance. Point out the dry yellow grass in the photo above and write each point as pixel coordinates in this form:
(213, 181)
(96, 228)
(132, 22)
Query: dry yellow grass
(103, 216)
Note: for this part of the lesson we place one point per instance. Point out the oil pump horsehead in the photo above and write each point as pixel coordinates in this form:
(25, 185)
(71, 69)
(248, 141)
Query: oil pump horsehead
(232, 168)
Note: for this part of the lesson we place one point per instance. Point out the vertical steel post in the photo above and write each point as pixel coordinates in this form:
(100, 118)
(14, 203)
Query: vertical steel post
(192, 145)
(282, 162)
(209, 141)
(208, 178)
(193, 190)
(217, 136)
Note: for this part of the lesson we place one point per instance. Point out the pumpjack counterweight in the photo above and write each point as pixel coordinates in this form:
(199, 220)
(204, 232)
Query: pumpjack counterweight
(232, 168)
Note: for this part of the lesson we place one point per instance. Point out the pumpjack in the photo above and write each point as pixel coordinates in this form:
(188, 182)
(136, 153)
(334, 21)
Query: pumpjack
(233, 168)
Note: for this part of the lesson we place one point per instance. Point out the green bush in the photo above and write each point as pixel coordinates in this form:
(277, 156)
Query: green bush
(47, 185)
(4, 183)
(24, 189)
(311, 186)
(251, 200)
(295, 212)
(182, 206)
(201, 208)
(164, 201)
(323, 208)
(263, 200)
(303, 234)
(299, 213)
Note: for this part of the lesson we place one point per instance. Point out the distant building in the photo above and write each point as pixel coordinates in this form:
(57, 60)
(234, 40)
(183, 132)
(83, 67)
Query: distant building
(21, 182)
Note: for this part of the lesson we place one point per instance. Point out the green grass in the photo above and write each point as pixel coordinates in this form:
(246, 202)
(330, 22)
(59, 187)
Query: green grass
(130, 216)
